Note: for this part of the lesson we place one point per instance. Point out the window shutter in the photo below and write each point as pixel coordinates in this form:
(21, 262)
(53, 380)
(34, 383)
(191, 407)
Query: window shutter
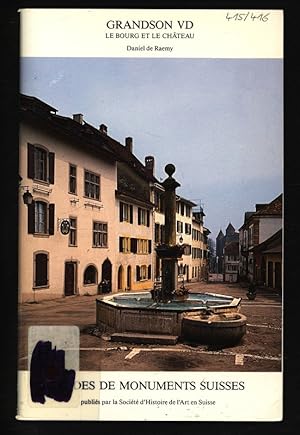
(51, 167)
(149, 271)
(148, 218)
(133, 245)
(30, 160)
(51, 218)
(138, 273)
(131, 214)
(149, 246)
(121, 212)
(162, 228)
(120, 244)
(156, 233)
(139, 216)
(31, 218)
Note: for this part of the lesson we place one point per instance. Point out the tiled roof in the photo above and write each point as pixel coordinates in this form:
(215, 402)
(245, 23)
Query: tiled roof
(85, 132)
(272, 241)
(273, 208)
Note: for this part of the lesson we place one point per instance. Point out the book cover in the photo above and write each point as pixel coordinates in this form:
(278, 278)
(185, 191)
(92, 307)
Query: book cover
(150, 215)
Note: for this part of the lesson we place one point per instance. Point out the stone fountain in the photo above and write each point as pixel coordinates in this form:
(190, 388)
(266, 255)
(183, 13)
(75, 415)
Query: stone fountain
(169, 313)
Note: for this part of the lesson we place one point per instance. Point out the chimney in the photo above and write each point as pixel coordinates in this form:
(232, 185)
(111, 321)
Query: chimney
(78, 117)
(149, 164)
(259, 206)
(128, 144)
(103, 128)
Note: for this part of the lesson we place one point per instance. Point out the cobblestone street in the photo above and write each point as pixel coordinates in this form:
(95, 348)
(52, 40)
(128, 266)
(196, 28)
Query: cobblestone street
(259, 350)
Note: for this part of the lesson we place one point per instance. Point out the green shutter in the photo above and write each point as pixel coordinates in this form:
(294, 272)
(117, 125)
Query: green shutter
(148, 218)
(30, 160)
(121, 212)
(131, 213)
(30, 209)
(51, 218)
(51, 167)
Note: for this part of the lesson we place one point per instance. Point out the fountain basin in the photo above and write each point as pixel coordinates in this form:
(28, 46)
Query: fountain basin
(222, 328)
(137, 312)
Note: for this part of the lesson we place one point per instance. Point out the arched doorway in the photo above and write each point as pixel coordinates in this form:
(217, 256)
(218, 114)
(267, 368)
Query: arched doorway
(106, 274)
(120, 278)
(129, 278)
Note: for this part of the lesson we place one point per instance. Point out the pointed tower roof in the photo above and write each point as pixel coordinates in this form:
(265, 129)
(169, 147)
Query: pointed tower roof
(220, 235)
(230, 229)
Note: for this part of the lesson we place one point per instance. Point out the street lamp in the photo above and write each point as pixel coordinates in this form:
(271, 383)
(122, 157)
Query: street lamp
(27, 196)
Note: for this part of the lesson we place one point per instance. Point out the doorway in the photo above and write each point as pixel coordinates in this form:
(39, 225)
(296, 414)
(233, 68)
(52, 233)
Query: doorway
(129, 278)
(70, 278)
(120, 278)
(106, 273)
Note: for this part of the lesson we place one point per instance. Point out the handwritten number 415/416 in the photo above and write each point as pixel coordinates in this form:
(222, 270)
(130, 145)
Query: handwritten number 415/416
(247, 16)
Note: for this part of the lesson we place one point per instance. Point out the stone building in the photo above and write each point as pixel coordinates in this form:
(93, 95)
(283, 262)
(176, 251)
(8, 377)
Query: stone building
(231, 261)
(221, 241)
(67, 234)
(184, 223)
(96, 213)
(199, 269)
(81, 178)
(260, 244)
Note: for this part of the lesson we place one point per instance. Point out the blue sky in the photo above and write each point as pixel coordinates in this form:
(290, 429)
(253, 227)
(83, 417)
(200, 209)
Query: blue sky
(220, 121)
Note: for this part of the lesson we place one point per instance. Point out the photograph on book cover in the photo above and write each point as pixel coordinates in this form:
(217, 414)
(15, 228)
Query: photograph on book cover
(150, 215)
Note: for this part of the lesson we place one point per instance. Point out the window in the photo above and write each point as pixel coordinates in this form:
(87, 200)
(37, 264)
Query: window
(40, 218)
(245, 239)
(187, 250)
(91, 185)
(158, 202)
(179, 227)
(143, 217)
(250, 235)
(40, 163)
(157, 233)
(73, 232)
(162, 234)
(177, 206)
(100, 234)
(188, 211)
(72, 179)
(182, 209)
(142, 272)
(124, 244)
(187, 228)
(231, 267)
(90, 275)
(41, 260)
(126, 213)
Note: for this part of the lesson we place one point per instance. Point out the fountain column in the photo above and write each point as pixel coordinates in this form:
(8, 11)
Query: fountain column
(169, 262)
